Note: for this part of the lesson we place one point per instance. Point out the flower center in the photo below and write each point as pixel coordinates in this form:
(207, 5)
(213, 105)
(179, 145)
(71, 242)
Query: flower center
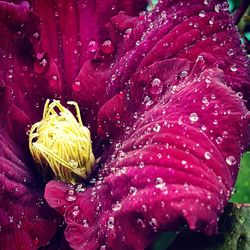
(61, 142)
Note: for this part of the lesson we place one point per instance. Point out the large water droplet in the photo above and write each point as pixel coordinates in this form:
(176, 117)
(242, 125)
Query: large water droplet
(41, 65)
(202, 14)
(111, 222)
(156, 86)
(183, 74)
(233, 68)
(230, 52)
(107, 47)
(157, 128)
(92, 46)
(75, 211)
(193, 117)
(230, 160)
(76, 87)
(70, 195)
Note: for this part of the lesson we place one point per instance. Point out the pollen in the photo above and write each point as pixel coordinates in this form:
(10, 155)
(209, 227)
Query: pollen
(60, 142)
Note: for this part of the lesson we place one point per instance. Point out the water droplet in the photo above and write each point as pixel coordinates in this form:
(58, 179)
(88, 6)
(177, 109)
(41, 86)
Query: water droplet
(183, 162)
(73, 164)
(217, 8)
(215, 122)
(230, 52)
(193, 117)
(117, 206)
(36, 35)
(156, 86)
(207, 155)
(153, 223)
(203, 128)
(127, 32)
(121, 155)
(147, 101)
(159, 180)
(75, 211)
(11, 219)
(41, 65)
(205, 101)
(233, 68)
(183, 74)
(141, 165)
(111, 222)
(211, 21)
(157, 128)
(219, 140)
(230, 160)
(107, 47)
(76, 87)
(240, 95)
(202, 14)
(92, 46)
(206, 2)
(36, 241)
(241, 219)
(70, 195)
(224, 134)
(132, 190)
(159, 155)
(140, 223)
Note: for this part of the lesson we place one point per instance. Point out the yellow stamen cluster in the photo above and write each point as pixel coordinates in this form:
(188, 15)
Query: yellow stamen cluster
(61, 143)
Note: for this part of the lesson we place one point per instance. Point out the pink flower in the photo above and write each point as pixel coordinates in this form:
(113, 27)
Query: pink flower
(163, 94)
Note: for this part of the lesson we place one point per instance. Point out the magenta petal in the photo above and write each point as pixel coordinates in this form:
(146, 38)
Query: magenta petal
(26, 220)
(178, 166)
(178, 126)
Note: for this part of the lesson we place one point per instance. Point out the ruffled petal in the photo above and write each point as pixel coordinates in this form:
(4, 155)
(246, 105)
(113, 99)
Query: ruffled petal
(179, 125)
(177, 167)
(27, 222)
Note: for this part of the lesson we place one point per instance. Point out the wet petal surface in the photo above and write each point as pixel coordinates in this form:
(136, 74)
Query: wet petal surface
(178, 123)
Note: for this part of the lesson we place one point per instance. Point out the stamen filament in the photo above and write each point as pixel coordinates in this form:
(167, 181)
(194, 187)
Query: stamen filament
(61, 142)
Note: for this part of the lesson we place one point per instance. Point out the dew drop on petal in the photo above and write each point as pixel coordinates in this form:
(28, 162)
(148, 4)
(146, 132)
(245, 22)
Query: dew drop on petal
(156, 86)
(132, 190)
(153, 223)
(193, 117)
(219, 140)
(121, 155)
(92, 46)
(76, 87)
(183, 74)
(230, 160)
(85, 223)
(70, 195)
(207, 155)
(140, 223)
(233, 68)
(41, 65)
(202, 14)
(240, 95)
(230, 52)
(157, 128)
(111, 222)
(116, 207)
(217, 8)
(75, 211)
(36, 241)
(107, 47)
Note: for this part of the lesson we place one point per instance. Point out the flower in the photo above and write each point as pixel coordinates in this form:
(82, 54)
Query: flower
(164, 90)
